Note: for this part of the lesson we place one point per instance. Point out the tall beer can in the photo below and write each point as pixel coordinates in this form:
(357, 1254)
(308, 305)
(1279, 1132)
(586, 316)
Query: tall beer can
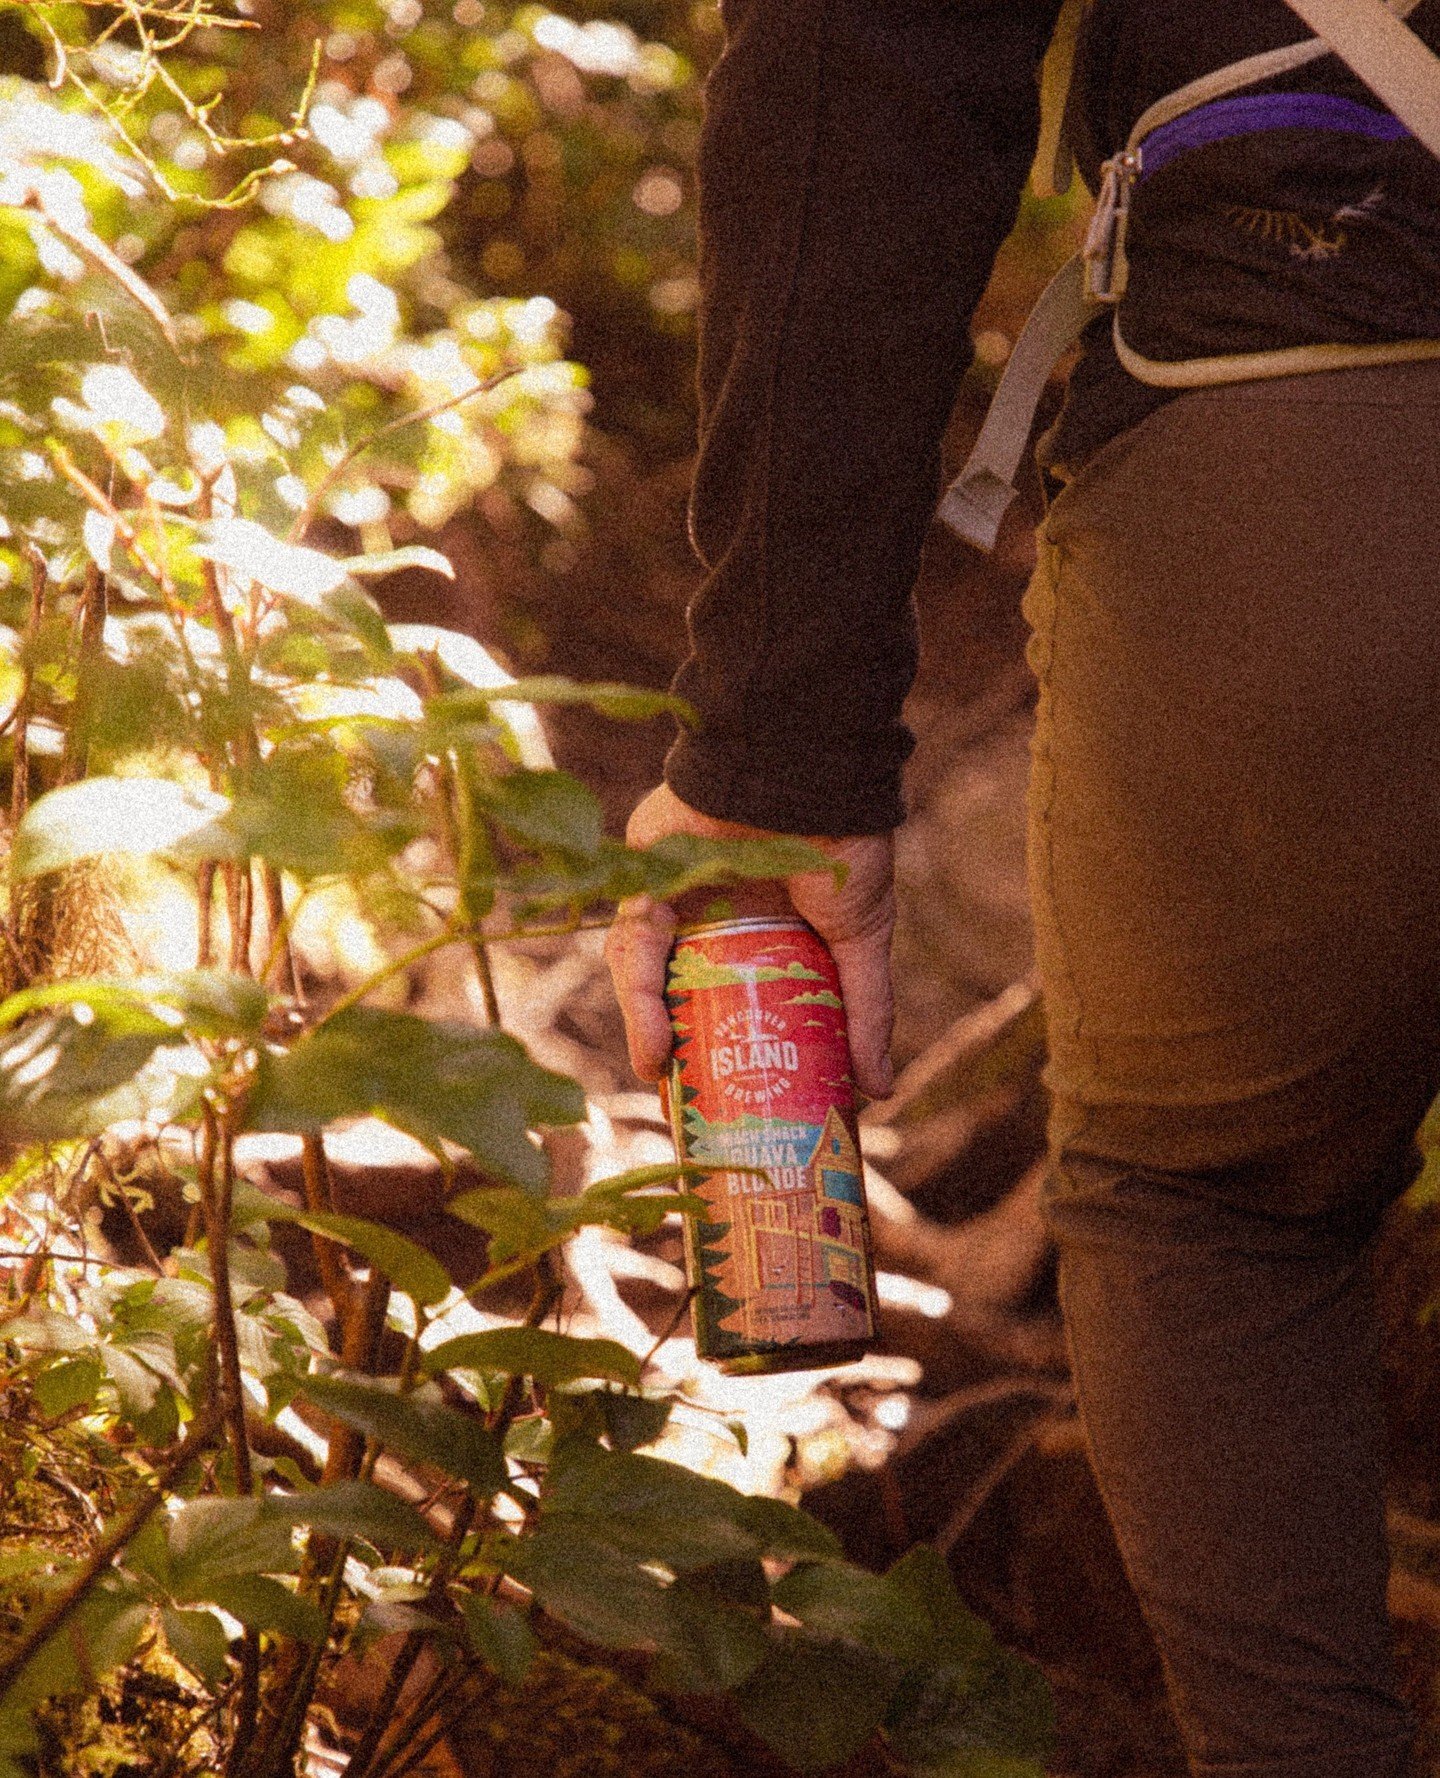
(780, 1262)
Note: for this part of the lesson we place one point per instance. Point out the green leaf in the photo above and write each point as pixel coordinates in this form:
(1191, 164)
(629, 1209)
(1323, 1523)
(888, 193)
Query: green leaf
(71, 1384)
(207, 1002)
(623, 703)
(459, 654)
(31, 1164)
(293, 808)
(136, 1384)
(390, 561)
(440, 1082)
(100, 1635)
(950, 1720)
(103, 816)
(551, 1359)
(197, 1640)
(356, 1509)
(75, 1072)
(212, 1541)
(971, 1697)
(853, 1605)
(672, 866)
(787, 1533)
(630, 1201)
(685, 861)
(602, 1593)
(550, 810)
(261, 1603)
(649, 1509)
(500, 1636)
(631, 1420)
(409, 1266)
(414, 1427)
(816, 1703)
(250, 552)
(521, 1225)
(713, 1646)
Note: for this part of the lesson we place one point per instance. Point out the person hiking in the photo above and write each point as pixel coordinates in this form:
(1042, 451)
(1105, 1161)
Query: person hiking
(1235, 800)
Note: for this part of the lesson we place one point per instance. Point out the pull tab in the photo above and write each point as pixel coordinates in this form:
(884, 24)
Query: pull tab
(1104, 249)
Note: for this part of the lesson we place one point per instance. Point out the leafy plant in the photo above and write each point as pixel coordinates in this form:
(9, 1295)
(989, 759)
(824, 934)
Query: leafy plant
(230, 331)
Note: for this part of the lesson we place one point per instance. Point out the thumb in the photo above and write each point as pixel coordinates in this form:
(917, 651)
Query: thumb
(863, 964)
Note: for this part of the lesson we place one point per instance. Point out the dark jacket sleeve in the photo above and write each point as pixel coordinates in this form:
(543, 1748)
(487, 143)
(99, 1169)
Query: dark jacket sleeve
(861, 162)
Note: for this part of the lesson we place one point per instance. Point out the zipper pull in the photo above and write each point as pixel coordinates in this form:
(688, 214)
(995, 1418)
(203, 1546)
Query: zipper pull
(1104, 252)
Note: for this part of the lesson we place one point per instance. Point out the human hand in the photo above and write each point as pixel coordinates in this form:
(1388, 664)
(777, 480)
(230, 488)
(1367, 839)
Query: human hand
(856, 920)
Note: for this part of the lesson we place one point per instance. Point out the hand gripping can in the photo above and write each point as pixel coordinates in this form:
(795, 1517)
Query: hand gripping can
(780, 1262)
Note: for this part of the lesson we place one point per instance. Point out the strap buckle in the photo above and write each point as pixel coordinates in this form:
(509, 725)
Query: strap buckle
(1106, 269)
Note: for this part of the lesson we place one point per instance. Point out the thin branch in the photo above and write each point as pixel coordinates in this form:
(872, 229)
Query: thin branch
(124, 530)
(308, 513)
(52, 1617)
(990, 1479)
(20, 770)
(363, 1761)
(216, 1187)
(670, 1326)
(89, 651)
(90, 247)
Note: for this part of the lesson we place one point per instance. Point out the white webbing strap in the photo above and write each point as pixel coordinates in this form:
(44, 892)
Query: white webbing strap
(1386, 54)
(977, 500)
(1370, 37)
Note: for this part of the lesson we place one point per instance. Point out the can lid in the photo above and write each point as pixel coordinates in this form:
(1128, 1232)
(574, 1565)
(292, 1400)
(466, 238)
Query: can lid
(747, 923)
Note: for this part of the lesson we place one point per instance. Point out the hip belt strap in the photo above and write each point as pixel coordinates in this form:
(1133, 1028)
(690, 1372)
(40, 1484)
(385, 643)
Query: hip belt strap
(1371, 39)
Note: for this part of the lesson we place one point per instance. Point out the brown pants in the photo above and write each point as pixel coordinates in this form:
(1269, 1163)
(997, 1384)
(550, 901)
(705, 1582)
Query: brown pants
(1235, 861)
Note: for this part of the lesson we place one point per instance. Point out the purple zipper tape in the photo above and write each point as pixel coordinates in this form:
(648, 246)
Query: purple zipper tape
(1243, 116)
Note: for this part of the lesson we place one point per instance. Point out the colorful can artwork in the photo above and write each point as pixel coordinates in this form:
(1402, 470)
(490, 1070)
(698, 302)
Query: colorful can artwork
(780, 1263)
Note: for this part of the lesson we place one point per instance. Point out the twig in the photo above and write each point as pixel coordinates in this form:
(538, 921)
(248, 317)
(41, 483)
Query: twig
(416, 1751)
(548, 1288)
(281, 949)
(329, 1255)
(216, 1188)
(217, 1185)
(90, 648)
(52, 1617)
(308, 513)
(205, 912)
(147, 1247)
(90, 246)
(240, 902)
(124, 530)
(20, 770)
(964, 1515)
(670, 1326)
(438, 942)
(455, 803)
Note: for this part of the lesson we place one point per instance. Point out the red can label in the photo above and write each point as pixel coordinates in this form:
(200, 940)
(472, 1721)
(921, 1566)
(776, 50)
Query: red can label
(762, 1081)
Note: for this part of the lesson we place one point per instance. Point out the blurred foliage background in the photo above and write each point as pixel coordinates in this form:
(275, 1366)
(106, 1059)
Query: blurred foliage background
(472, 184)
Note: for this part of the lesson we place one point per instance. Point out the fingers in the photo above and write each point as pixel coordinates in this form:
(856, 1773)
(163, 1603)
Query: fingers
(857, 921)
(865, 986)
(637, 949)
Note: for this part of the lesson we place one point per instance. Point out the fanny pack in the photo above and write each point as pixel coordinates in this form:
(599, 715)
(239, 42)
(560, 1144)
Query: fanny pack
(1373, 40)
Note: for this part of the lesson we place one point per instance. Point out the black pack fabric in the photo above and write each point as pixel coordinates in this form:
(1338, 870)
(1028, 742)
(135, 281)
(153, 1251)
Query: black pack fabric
(1277, 238)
